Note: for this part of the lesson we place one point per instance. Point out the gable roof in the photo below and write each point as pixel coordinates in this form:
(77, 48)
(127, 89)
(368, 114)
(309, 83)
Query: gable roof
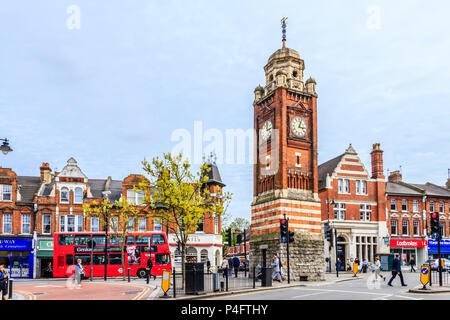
(328, 168)
(29, 186)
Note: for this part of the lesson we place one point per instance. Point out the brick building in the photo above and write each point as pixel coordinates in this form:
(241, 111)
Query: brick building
(33, 208)
(409, 206)
(353, 204)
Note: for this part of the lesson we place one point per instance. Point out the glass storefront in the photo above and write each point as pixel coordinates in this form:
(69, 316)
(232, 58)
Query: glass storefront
(17, 257)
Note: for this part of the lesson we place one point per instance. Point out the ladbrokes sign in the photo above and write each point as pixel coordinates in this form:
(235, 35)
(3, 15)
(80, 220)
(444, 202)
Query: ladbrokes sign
(408, 243)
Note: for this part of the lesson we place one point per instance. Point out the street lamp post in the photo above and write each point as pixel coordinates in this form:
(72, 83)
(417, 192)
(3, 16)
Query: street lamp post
(106, 195)
(328, 213)
(5, 148)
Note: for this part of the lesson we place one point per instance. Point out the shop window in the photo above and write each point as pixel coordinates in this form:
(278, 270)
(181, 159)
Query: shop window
(203, 255)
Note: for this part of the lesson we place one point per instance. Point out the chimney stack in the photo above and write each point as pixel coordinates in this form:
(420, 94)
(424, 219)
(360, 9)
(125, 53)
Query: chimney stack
(46, 175)
(395, 176)
(448, 180)
(377, 162)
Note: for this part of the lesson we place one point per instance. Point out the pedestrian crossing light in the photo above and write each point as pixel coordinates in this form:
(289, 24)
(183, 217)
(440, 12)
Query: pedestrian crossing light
(329, 234)
(228, 236)
(284, 230)
(239, 239)
(434, 225)
(291, 236)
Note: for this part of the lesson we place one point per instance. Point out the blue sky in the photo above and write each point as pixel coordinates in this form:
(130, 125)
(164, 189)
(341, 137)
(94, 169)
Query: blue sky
(113, 91)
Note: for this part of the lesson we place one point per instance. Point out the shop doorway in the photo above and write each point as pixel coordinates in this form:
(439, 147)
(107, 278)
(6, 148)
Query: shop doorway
(46, 269)
(340, 252)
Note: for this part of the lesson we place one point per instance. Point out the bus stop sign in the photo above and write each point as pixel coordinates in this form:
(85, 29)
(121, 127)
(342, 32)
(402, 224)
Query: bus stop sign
(425, 274)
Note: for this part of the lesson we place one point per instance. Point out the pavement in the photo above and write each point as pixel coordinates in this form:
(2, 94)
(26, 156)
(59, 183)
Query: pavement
(98, 289)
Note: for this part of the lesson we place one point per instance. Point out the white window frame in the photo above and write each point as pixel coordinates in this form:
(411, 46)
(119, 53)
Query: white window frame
(432, 207)
(405, 203)
(131, 224)
(339, 211)
(363, 187)
(202, 223)
(26, 216)
(8, 188)
(77, 223)
(441, 207)
(157, 225)
(216, 225)
(393, 202)
(142, 222)
(44, 223)
(405, 223)
(10, 223)
(63, 189)
(340, 186)
(95, 225)
(365, 211)
(113, 221)
(394, 223)
(134, 197)
(358, 186)
(75, 200)
(415, 205)
(416, 223)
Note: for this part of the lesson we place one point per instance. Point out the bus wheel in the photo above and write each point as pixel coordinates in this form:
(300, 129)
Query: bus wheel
(142, 273)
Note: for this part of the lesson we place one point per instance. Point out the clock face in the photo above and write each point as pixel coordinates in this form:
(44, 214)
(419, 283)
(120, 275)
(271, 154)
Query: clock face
(299, 127)
(266, 130)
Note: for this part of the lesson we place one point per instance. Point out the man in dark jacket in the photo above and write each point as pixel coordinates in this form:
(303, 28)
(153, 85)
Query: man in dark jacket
(236, 264)
(3, 282)
(150, 266)
(396, 270)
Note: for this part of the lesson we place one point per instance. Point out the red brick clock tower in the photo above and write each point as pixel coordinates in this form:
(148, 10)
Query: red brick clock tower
(286, 169)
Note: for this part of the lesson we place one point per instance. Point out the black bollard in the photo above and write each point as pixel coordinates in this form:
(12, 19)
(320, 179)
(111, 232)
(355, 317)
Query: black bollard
(148, 276)
(10, 289)
(128, 274)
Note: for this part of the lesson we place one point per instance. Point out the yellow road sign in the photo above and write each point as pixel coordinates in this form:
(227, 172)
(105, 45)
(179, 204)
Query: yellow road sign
(165, 282)
(355, 268)
(425, 273)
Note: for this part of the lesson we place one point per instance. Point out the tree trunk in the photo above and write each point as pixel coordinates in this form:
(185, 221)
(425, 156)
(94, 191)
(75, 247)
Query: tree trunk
(123, 260)
(183, 261)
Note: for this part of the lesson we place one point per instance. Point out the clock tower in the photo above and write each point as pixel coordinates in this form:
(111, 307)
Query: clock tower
(286, 169)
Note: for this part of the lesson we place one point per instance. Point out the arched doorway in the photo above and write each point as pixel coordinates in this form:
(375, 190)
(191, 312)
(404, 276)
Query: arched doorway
(340, 251)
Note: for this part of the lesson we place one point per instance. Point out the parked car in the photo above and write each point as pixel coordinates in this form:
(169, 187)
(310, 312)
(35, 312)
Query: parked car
(434, 263)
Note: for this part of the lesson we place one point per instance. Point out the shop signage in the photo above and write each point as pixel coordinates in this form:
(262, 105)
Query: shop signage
(433, 246)
(45, 244)
(407, 243)
(16, 244)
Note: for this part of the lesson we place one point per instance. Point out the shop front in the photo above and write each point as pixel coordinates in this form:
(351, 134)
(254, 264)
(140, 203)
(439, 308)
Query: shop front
(44, 257)
(16, 254)
(410, 248)
(433, 249)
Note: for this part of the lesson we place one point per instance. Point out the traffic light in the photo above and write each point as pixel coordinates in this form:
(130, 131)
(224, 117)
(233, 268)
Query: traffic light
(291, 236)
(284, 230)
(329, 234)
(239, 238)
(434, 225)
(228, 236)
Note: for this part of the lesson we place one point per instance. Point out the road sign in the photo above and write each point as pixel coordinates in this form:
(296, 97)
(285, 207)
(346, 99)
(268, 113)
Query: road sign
(165, 282)
(425, 273)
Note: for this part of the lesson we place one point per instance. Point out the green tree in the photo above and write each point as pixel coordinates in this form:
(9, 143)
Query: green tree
(179, 197)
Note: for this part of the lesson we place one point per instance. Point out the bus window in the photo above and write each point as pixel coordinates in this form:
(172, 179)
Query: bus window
(69, 260)
(142, 239)
(99, 240)
(65, 239)
(113, 239)
(115, 259)
(158, 239)
(99, 259)
(130, 240)
(85, 259)
(82, 240)
(162, 258)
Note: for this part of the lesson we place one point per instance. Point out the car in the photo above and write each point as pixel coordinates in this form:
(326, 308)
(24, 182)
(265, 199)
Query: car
(435, 262)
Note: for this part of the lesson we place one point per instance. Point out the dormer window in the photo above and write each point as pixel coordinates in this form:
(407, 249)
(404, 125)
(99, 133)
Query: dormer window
(64, 195)
(78, 195)
(5, 192)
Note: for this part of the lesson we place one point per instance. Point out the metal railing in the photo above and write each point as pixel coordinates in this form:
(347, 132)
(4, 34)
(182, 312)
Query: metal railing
(434, 280)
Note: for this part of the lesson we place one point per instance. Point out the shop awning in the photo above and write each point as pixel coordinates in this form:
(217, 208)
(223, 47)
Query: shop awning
(45, 254)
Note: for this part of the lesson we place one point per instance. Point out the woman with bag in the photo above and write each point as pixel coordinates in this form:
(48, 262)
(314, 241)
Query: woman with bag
(79, 271)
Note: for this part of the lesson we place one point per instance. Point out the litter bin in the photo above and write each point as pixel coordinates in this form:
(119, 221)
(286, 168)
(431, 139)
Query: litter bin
(194, 278)
(266, 277)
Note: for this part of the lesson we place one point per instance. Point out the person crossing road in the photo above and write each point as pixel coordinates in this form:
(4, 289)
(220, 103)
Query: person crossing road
(396, 270)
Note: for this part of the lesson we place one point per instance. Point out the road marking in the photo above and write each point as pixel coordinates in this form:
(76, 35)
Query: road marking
(49, 286)
(306, 295)
(347, 291)
(405, 297)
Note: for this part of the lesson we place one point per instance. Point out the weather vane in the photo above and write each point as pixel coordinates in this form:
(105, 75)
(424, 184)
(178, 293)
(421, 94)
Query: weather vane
(283, 27)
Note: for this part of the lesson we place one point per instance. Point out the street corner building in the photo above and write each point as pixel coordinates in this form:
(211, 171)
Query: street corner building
(286, 169)
(32, 209)
(354, 207)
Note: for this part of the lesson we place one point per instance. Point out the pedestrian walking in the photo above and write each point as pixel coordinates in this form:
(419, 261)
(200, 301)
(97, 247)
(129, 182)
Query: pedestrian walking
(3, 282)
(338, 265)
(150, 266)
(79, 272)
(280, 265)
(208, 265)
(357, 262)
(412, 262)
(236, 264)
(378, 269)
(349, 266)
(276, 269)
(49, 270)
(224, 267)
(396, 270)
(230, 267)
(364, 266)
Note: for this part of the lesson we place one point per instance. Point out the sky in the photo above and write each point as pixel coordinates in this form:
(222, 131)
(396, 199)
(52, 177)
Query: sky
(110, 82)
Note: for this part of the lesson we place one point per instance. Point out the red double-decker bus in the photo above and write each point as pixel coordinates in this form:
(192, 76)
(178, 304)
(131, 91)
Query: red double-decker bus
(68, 247)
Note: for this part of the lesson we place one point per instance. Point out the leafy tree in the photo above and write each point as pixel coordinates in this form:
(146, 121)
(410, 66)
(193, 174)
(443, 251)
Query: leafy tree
(240, 224)
(179, 197)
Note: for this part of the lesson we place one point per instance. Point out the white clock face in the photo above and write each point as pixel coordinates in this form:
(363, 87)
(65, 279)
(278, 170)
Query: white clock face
(299, 127)
(266, 130)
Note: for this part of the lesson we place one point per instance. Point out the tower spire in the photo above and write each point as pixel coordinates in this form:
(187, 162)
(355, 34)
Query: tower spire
(283, 28)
